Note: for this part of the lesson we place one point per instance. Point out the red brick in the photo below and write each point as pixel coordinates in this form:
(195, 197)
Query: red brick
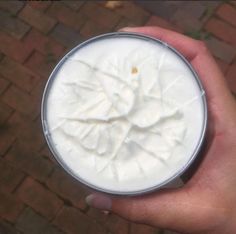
(10, 176)
(231, 78)
(5, 227)
(45, 152)
(157, 21)
(29, 162)
(41, 64)
(39, 5)
(3, 84)
(100, 15)
(66, 36)
(222, 30)
(67, 187)
(124, 22)
(98, 215)
(29, 222)
(223, 65)
(11, 6)
(39, 198)
(19, 100)
(13, 48)
(221, 49)
(133, 12)
(43, 44)
(66, 16)
(142, 229)
(7, 136)
(228, 13)
(37, 19)
(117, 225)
(96, 228)
(27, 130)
(10, 206)
(18, 74)
(72, 221)
(12, 25)
(37, 91)
(74, 5)
(186, 21)
(91, 29)
(5, 112)
(233, 3)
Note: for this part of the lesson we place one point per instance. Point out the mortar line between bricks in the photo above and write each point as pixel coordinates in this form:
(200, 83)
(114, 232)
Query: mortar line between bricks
(50, 31)
(220, 39)
(35, 119)
(221, 19)
(44, 185)
(28, 57)
(27, 33)
(20, 183)
(120, 20)
(50, 3)
(57, 213)
(65, 201)
(146, 20)
(16, 85)
(82, 25)
(234, 6)
(85, 211)
(13, 112)
(8, 222)
(9, 150)
(212, 16)
(23, 5)
(8, 87)
(77, 11)
(20, 213)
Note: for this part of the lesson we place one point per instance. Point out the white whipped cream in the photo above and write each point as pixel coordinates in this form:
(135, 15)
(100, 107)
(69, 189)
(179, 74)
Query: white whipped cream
(124, 114)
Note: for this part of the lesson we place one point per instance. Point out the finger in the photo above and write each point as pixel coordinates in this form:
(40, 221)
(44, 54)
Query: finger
(181, 210)
(218, 94)
(187, 46)
(165, 209)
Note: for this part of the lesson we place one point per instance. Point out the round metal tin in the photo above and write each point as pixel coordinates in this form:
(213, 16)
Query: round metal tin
(56, 153)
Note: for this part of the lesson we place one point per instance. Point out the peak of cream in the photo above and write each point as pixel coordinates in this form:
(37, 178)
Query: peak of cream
(124, 114)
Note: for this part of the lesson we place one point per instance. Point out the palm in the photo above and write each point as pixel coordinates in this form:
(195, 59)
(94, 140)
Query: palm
(206, 203)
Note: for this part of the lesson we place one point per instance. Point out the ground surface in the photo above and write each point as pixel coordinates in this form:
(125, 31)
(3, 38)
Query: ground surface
(36, 195)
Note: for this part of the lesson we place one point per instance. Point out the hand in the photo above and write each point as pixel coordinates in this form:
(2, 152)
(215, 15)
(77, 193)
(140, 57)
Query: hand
(207, 202)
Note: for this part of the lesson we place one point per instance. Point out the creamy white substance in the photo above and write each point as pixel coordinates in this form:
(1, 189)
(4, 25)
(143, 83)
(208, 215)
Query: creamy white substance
(125, 114)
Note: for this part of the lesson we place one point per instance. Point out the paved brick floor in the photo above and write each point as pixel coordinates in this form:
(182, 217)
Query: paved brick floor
(36, 195)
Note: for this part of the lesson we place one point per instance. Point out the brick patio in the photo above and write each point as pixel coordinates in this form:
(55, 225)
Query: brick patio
(36, 195)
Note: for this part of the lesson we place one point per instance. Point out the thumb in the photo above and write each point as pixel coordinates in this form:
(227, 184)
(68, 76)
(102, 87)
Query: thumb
(164, 209)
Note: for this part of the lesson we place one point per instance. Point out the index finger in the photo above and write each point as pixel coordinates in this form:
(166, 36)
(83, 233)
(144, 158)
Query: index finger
(187, 46)
(196, 52)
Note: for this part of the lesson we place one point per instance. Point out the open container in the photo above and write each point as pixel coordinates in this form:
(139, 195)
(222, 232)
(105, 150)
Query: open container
(56, 153)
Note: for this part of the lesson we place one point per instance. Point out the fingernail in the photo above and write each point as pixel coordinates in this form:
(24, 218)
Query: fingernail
(126, 29)
(99, 201)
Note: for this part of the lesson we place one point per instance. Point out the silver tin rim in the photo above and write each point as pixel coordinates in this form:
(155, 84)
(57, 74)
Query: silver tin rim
(57, 155)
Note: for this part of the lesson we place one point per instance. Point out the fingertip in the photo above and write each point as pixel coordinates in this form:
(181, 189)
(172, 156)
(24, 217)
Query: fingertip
(99, 201)
(89, 199)
(125, 29)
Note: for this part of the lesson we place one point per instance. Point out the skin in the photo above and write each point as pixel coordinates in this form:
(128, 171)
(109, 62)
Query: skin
(207, 202)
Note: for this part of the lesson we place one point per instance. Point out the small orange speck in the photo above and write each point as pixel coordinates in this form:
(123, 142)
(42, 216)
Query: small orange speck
(134, 70)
